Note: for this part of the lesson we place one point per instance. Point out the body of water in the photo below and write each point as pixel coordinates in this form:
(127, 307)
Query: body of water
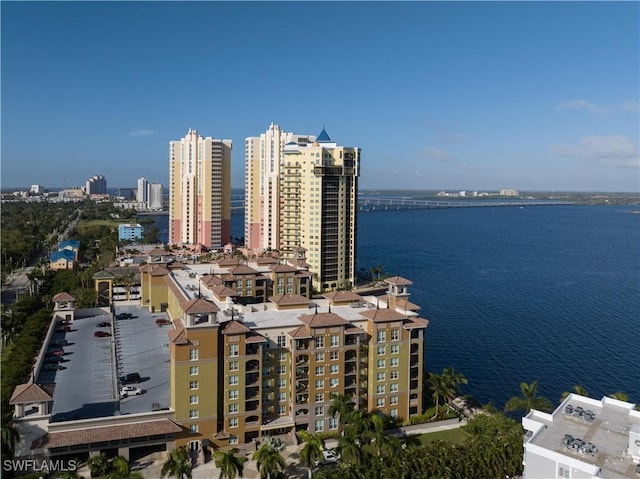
(518, 294)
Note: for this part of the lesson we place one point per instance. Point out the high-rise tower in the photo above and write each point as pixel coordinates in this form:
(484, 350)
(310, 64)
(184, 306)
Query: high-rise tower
(263, 157)
(200, 191)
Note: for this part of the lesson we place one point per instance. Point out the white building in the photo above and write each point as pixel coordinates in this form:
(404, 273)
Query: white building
(143, 194)
(96, 185)
(156, 196)
(509, 192)
(583, 439)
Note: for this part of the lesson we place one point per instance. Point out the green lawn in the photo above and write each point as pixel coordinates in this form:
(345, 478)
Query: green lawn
(453, 435)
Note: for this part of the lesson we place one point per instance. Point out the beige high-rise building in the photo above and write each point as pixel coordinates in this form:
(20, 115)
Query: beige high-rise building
(199, 191)
(263, 157)
(302, 200)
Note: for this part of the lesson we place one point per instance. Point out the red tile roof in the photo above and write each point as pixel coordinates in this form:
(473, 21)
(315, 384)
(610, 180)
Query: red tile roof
(383, 315)
(414, 323)
(343, 296)
(224, 262)
(178, 335)
(107, 433)
(63, 297)
(235, 327)
(321, 320)
(289, 299)
(242, 269)
(254, 337)
(402, 303)
(32, 392)
(301, 332)
(283, 268)
(199, 306)
(398, 281)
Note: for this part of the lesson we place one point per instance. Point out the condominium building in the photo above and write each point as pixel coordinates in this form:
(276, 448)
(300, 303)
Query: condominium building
(156, 196)
(252, 355)
(263, 157)
(199, 191)
(583, 438)
(302, 200)
(130, 232)
(96, 185)
(142, 195)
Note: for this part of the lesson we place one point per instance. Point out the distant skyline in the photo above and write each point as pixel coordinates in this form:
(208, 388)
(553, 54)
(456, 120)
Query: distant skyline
(439, 95)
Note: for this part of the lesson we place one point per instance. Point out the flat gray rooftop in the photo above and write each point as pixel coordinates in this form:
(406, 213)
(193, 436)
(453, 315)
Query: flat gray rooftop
(609, 432)
(87, 387)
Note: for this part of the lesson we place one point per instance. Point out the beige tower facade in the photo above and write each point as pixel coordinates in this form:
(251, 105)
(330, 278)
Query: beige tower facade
(200, 191)
(263, 158)
(319, 208)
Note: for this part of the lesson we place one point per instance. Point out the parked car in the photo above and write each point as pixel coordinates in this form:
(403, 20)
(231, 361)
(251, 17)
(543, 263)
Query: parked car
(55, 352)
(103, 324)
(101, 334)
(162, 322)
(124, 316)
(130, 391)
(130, 378)
(329, 457)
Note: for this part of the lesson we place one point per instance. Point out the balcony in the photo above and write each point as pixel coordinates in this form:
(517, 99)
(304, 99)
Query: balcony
(253, 365)
(252, 393)
(302, 344)
(302, 386)
(415, 349)
(351, 340)
(302, 398)
(414, 360)
(415, 373)
(253, 405)
(414, 400)
(352, 391)
(350, 369)
(302, 359)
(252, 422)
(413, 384)
(349, 383)
(253, 349)
(302, 373)
(416, 334)
(350, 355)
(252, 378)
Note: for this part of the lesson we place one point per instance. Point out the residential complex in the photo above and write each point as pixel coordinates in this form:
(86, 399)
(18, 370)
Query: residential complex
(583, 438)
(302, 200)
(156, 196)
(142, 195)
(96, 185)
(199, 191)
(130, 232)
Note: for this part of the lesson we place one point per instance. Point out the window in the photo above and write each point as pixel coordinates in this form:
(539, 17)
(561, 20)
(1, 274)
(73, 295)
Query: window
(393, 388)
(233, 439)
(334, 355)
(319, 410)
(233, 422)
(320, 384)
(380, 402)
(333, 382)
(333, 423)
(282, 410)
(380, 389)
(381, 336)
(319, 425)
(193, 354)
(395, 335)
(282, 369)
(394, 375)
(320, 342)
(380, 377)
(282, 341)
(394, 413)
(393, 400)
(193, 384)
(282, 383)
(233, 380)
(319, 357)
(394, 362)
(233, 394)
(239, 284)
(319, 370)
(249, 283)
(234, 365)
(395, 349)
(335, 340)
(193, 370)
(234, 350)
(381, 350)
(320, 397)
(381, 363)
(233, 408)
(193, 428)
(289, 280)
(334, 369)
(282, 356)
(193, 414)
(563, 472)
(282, 397)
(193, 399)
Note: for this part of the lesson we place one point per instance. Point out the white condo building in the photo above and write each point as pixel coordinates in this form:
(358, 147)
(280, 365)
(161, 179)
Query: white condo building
(583, 438)
(142, 195)
(155, 196)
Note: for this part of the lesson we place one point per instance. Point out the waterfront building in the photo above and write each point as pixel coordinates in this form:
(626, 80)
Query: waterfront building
(244, 367)
(156, 196)
(130, 232)
(36, 189)
(302, 201)
(509, 192)
(142, 192)
(263, 158)
(583, 438)
(96, 185)
(200, 191)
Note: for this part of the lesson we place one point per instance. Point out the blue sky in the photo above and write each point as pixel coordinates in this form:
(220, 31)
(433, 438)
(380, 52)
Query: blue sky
(451, 95)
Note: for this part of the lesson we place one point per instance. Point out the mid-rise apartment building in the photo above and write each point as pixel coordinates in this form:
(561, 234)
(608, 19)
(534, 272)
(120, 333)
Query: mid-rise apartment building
(242, 369)
(96, 185)
(200, 191)
(302, 199)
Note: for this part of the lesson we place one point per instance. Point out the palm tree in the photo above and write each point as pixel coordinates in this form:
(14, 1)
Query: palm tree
(453, 380)
(343, 406)
(577, 389)
(178, 464)
(381, 440)
(229, 464)
(98, 465)
(312, 450)
(620, 396)
(9, 437)
(120, 470)
(529, 400)
(441, 387)
(269, 460)
(350, 448)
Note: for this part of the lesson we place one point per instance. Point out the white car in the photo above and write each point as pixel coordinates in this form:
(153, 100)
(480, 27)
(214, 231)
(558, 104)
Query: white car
(329, 457)
(130, 391)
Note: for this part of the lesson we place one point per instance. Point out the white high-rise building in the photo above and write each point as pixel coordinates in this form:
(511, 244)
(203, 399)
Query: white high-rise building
(96, 185)
(156, 196)
(143, 191)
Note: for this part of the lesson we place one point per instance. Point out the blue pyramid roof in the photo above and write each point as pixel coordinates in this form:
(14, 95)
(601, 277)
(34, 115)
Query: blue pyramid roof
(323, 137)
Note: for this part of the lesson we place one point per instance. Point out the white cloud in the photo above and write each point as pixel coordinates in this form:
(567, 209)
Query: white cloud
(630, 106)
(580, 105)
(613, 151)
(435, 154)
(142, 132)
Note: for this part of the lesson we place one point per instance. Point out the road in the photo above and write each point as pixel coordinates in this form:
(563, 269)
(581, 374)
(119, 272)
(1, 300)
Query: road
(17, 285)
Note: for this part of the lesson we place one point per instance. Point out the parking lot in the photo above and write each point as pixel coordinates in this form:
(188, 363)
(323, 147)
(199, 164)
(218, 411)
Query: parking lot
(87, 381)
